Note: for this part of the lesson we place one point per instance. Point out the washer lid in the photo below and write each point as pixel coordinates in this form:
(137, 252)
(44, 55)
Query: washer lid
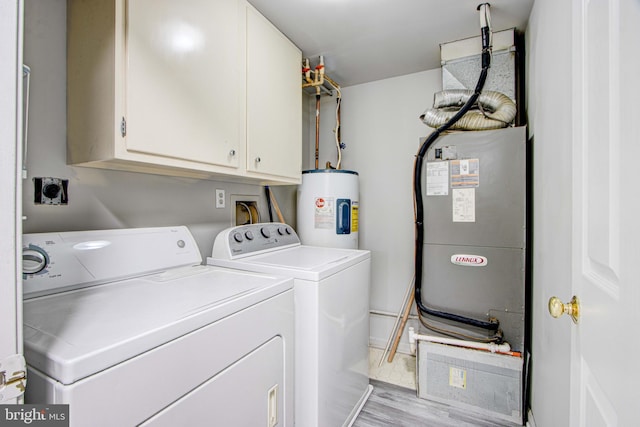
(75, 334)
(300, 262)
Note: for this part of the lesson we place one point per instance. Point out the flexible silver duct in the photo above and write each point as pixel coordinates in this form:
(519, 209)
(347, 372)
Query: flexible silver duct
(495, 110)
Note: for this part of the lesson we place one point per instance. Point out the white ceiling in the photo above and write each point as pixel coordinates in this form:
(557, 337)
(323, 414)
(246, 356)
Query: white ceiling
(367, 40)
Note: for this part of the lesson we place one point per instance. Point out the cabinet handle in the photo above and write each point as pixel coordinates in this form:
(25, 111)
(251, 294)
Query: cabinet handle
(232, 153)
(258, 159)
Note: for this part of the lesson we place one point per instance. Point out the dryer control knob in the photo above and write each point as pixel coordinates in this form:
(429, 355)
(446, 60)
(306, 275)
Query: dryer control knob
(284, 231)
(237, 237)
(248, 235)
(265, 232)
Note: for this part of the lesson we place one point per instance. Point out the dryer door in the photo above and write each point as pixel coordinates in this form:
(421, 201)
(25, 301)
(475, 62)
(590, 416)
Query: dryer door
(247, 393)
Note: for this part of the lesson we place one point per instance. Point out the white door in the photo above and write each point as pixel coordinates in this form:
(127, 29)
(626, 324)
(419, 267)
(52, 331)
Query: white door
(10, 196)
(606, 213)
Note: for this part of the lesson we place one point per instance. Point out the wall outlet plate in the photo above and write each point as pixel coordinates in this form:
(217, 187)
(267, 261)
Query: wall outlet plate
(220, 199)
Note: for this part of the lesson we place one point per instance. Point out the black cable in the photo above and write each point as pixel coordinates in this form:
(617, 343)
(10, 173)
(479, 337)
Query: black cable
(417, 174)
(267, 191)
(497, 337)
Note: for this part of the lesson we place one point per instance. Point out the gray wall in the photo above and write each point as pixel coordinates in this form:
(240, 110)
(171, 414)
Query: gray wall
(382, 131)
(102, 199)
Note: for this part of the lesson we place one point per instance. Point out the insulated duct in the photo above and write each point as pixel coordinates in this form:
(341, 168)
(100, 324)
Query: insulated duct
(495, 110)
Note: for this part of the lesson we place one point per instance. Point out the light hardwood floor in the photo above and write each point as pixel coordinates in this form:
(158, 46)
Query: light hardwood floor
(394, 401)
(393, 405)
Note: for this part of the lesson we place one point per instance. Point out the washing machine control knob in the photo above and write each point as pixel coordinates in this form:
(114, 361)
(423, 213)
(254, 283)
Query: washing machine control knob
(284, 231)
(237, 237)
(265, 232)
(248, 235)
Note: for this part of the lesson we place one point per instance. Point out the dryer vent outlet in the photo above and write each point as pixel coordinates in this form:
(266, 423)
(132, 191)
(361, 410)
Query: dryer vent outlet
(247, 212)
(244, 209)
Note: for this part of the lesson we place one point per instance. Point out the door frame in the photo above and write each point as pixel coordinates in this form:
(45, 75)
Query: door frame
(11, 29)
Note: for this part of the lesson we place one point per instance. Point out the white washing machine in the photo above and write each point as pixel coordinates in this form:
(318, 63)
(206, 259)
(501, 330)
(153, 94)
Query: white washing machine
(331, 289)
(127, 328)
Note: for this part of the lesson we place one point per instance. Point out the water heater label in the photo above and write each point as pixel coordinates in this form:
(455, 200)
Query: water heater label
(469, 260)
(324, 213)
(354, 217)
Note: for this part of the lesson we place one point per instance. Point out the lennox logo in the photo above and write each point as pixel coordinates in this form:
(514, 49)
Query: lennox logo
(469, 260)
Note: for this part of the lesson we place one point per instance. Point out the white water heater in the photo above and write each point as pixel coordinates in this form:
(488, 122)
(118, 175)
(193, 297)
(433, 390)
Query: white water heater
(328, 206)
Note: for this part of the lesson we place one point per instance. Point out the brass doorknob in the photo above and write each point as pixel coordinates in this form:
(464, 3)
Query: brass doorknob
(557, 308)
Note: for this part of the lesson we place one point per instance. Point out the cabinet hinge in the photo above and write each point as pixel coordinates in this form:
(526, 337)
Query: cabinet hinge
(123, 127)
(13, 377)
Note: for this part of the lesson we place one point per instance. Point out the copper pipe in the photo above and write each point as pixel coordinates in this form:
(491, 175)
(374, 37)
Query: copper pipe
(331, 82)
(338, 138)
(317, 125)
(318, 82)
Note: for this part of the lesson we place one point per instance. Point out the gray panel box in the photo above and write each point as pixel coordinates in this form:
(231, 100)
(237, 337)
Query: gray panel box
(482, 382)
(498, 183)
(494, 290)
(475, 205)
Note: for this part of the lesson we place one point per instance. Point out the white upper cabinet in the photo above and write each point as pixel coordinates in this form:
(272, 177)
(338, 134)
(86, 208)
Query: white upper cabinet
(184, 79)
(160, 86)
(274, 101)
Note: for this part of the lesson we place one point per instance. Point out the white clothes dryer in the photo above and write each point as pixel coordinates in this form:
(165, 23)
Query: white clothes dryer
(331, 288)
(128, 328)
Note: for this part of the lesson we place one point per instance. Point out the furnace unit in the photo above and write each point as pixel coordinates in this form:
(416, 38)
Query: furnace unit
(475, 225)
(474, 266)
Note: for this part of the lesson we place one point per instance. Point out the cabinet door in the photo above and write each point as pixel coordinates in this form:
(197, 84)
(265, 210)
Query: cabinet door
(184, 79)
(274, 100)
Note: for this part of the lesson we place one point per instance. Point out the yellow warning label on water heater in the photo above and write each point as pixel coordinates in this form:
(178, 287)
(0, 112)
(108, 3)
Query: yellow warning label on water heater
(354, 217)
(457, 377)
